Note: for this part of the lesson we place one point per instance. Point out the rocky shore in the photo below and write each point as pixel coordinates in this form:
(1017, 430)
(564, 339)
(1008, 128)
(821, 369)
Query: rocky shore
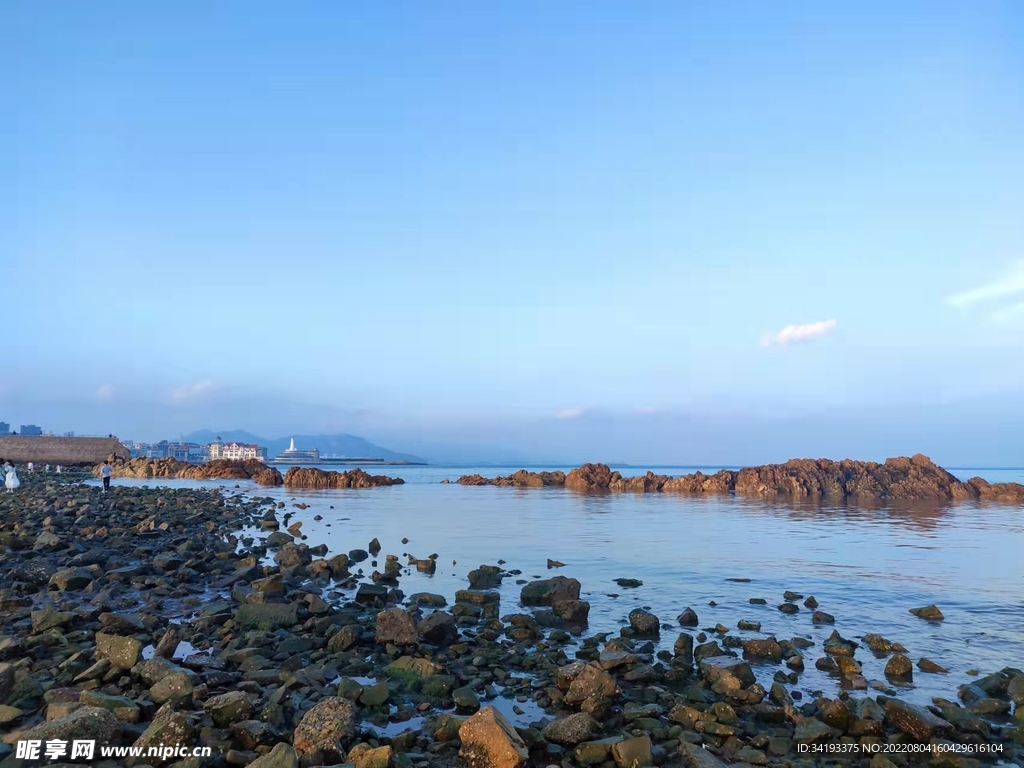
(310, 477)
(915, 478)
(156, 616)
(219, 469)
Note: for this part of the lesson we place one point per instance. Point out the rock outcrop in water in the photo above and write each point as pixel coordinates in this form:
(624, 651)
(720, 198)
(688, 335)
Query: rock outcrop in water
(219, 469)
(520, 479)
(915, 478)
(310, 477)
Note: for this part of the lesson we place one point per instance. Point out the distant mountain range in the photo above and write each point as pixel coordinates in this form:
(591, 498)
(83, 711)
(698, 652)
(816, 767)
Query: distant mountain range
(328, 445)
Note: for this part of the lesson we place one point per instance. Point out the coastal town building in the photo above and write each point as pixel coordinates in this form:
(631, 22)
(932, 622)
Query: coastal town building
(218, 449)
(181, 451)
(5, 428)
(30, 430)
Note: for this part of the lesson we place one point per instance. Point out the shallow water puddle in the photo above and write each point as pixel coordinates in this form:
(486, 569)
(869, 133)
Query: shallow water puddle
(182, 652)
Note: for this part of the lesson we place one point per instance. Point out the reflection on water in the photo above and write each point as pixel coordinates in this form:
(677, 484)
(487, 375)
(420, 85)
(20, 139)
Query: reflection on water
(865, 564)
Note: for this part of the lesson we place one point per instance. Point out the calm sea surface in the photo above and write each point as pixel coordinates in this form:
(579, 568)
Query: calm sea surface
(868, 566)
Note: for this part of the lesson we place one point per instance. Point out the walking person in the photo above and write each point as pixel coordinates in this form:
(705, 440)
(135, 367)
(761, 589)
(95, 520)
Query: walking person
(105, 474)
(11, 479)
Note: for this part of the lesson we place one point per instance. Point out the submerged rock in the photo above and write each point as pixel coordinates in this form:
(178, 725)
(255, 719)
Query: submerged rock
(929, 612)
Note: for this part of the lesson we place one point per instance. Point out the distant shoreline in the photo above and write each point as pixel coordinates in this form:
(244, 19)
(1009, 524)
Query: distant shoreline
(347, 463)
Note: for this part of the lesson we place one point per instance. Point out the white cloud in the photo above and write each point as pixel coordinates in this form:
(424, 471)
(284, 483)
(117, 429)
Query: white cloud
(646, 410)
(794, 333)
(570, 413)
(1010, 284)
(191, 392)
(105, 393)
(1007, 314)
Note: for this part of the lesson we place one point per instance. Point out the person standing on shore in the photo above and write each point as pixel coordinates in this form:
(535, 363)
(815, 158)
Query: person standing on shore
(105, 474)
(11, 480)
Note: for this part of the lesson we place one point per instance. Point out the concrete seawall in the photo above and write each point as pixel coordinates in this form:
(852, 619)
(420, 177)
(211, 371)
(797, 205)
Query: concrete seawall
(60, 450)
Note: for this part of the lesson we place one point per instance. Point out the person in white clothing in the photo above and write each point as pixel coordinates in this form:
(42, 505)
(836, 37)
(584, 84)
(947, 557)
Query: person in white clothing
(11, 480)
(31, 467)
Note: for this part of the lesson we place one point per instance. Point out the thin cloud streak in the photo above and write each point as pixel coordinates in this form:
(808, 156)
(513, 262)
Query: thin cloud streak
(191, 392)
(1007, 314)
(797, 333)
(1010, 284)
(105, 393)
(570, 413)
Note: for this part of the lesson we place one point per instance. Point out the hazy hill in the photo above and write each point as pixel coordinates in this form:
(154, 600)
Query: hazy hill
(328, 445)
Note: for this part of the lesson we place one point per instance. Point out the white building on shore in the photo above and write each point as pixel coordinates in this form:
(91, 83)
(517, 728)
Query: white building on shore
(218, 449)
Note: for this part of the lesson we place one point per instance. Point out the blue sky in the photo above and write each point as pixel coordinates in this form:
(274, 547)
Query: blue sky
(476, 223)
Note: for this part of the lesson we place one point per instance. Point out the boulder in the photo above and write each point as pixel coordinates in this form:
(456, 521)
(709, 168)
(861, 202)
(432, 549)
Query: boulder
(697, 757)
(439, 628)
(229, 708)
(929, 612)
(124, 709)
(811, 731)
(48, 618)
(572, 730)
(899, 666)
(768, 649)
(84, 723)
(120, 651)
(726, 673)
(572, 611)
(592, 689)
(169, 727)
(633, 753)
(683, 647)
(176, 687)
(550, 591)
(644, 623)
(324, 729)
(396, 626)
(71, 579)
(281, 756)
(490, 741)
(365, 756)
(409, 669)
(688, 618)
(267, 616)
(916, 721)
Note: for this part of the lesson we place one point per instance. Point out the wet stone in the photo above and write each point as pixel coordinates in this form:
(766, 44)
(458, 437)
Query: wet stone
(688, 618)
(643, 622)
(929, 612)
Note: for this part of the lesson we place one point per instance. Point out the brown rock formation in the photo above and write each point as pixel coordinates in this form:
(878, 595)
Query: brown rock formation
(915, 478)
(520, 479)
(220, 469)
(310, 477)
(591, 477)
